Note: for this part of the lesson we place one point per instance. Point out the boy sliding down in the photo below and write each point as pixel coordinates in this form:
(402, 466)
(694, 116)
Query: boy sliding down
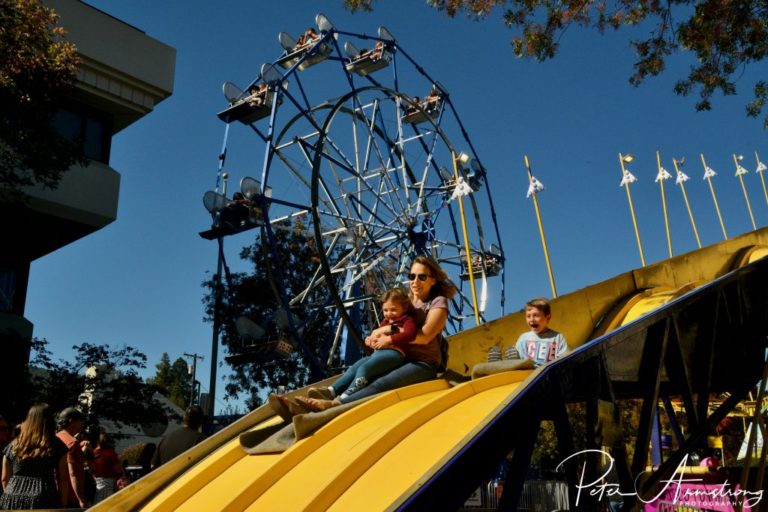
(533, 348)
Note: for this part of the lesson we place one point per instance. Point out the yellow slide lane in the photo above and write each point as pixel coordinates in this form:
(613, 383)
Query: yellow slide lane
(363, 459)
(227, 464)
(424, 451)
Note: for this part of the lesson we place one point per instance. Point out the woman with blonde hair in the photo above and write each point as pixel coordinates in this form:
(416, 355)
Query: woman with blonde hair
(35, 464)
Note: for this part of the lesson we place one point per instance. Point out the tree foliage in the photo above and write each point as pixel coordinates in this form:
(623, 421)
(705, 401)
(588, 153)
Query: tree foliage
(173, 380)
(724, 36)
(37, 67)
(112, 390)
(255, 365)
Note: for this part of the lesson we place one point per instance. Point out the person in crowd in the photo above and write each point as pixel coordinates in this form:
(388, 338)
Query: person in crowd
(181, 439)
(145, 458)
(87, 445)
(70, 422)
(400, 328)
(533, 348)
(107, 468)
(34, 473)
(6, 434)
(429, 290)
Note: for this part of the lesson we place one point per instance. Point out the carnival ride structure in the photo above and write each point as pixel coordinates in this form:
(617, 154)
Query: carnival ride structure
(684, 328)
(371, 178)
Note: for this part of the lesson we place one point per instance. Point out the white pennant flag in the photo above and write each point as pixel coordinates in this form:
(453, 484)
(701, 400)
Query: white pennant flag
(462, 189)
(663, 175)
(709, 172)
(741, 171)
(535, 187)
(761, 167)
(627, 178)
(681, 178)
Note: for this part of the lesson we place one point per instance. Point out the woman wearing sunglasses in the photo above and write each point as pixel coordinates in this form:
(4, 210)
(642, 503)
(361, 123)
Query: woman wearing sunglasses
(429, 289)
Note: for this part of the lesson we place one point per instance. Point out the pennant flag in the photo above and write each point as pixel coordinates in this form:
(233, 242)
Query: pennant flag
(709, 172)
(462, 189)
(535, 187)
(627, 178)
(681, 178)
(761, 167)
(741, 171)
(663, 175)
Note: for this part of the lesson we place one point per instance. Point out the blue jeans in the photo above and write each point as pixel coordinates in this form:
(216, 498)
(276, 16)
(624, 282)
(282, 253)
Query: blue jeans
(411, 372)
(379, 363)
(369, 367)
(343, 382)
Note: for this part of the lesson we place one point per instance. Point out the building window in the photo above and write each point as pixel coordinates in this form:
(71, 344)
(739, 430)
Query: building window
(90, 129)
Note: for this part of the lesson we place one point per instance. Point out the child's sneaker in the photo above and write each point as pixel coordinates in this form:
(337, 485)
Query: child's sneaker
(356, 386)
(324, 393)
(494, 354)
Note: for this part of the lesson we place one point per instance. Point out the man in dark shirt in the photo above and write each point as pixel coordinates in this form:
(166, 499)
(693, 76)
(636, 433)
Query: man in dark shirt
(182, 439)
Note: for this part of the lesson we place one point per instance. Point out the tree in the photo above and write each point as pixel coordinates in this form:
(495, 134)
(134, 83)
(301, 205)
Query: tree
(37, 68)
(173, 380)
(255, 365)
(724, 35)
(104, 381)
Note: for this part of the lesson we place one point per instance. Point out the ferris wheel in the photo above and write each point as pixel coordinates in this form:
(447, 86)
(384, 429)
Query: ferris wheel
(369, 179)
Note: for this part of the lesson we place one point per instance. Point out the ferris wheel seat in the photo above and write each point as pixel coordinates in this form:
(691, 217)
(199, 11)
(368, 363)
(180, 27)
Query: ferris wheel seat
(261, 352)
(430, 108)
(417, 116)
(487, 264)
(368, 61)
(249, 109)
(309, 54)
(255, 220)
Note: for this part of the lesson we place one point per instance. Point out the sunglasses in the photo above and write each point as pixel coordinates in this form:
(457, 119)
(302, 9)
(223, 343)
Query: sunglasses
(421, 277)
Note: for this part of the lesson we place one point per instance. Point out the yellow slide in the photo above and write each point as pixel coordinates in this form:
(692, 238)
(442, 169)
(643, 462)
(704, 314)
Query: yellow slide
(379, 453)
(372, 456)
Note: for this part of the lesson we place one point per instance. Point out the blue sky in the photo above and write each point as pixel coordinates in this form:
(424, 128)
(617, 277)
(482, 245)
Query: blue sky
(137, 281)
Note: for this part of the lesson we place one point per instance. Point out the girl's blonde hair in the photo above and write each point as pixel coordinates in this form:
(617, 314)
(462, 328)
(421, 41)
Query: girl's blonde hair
(399, 296)
(443, 285)
(38, 434)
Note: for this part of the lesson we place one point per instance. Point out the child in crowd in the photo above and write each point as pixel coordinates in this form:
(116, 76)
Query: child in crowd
(400, 327)
(533, 348)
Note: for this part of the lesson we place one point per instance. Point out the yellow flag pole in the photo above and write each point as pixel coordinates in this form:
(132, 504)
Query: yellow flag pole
(541, 231)
(664, 204)
(762, 179)
(714, 197)
(466, 242)
(687, 204)
(744, 189)
(632, 212)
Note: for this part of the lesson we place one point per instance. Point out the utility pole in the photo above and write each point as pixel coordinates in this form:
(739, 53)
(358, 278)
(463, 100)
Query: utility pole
(193, 372)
